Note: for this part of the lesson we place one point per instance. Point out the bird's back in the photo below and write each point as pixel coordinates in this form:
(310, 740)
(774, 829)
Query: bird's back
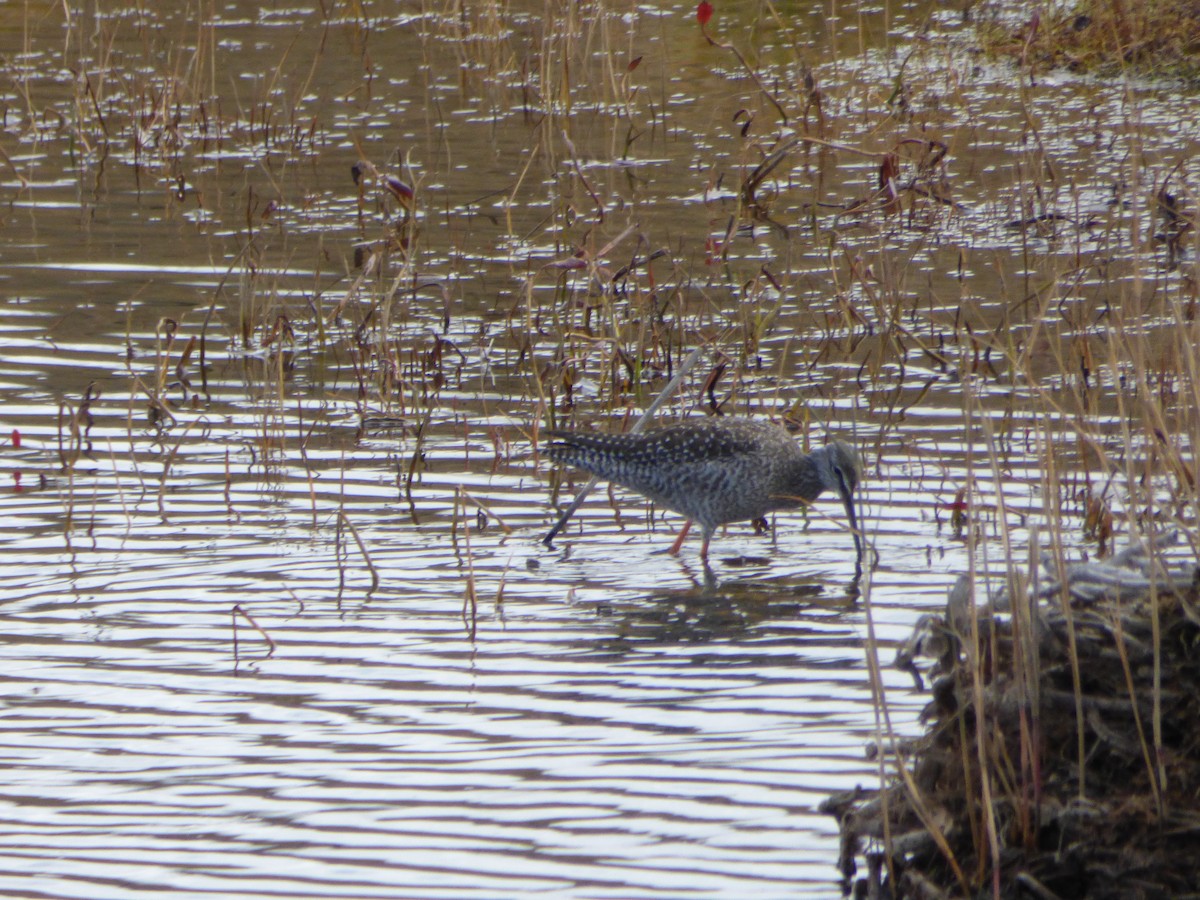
(711, 470)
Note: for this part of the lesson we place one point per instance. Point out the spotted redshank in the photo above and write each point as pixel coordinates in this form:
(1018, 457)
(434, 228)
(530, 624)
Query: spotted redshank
(716, 470)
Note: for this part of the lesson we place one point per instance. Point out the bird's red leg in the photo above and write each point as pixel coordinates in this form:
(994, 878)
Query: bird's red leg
(687, 526)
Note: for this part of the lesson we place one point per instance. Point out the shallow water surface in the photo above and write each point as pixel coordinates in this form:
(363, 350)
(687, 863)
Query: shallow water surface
(283, 625)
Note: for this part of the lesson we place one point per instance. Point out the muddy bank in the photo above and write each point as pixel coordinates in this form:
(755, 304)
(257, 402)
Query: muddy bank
(1062, 751)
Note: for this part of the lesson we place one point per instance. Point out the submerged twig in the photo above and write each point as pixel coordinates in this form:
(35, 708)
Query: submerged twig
(238, 611)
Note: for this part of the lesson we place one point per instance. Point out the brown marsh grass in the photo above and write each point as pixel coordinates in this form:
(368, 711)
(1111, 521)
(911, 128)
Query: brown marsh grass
(578, 283)
(1157, 39)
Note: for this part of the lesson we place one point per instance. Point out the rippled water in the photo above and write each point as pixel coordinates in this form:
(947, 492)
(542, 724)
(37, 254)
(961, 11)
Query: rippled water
(445, 707)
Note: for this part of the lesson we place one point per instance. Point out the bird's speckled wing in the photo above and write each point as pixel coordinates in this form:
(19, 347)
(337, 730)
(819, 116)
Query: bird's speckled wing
(696, 468)
(681, 444)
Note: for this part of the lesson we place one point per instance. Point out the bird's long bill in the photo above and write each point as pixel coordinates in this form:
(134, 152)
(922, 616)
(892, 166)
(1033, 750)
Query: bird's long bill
(847, 495)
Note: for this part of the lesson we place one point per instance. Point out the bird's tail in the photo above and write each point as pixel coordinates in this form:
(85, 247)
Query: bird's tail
(595, 453)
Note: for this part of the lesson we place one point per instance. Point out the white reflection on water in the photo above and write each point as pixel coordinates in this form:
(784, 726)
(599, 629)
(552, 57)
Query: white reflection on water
(495, 718)
(596, 737)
